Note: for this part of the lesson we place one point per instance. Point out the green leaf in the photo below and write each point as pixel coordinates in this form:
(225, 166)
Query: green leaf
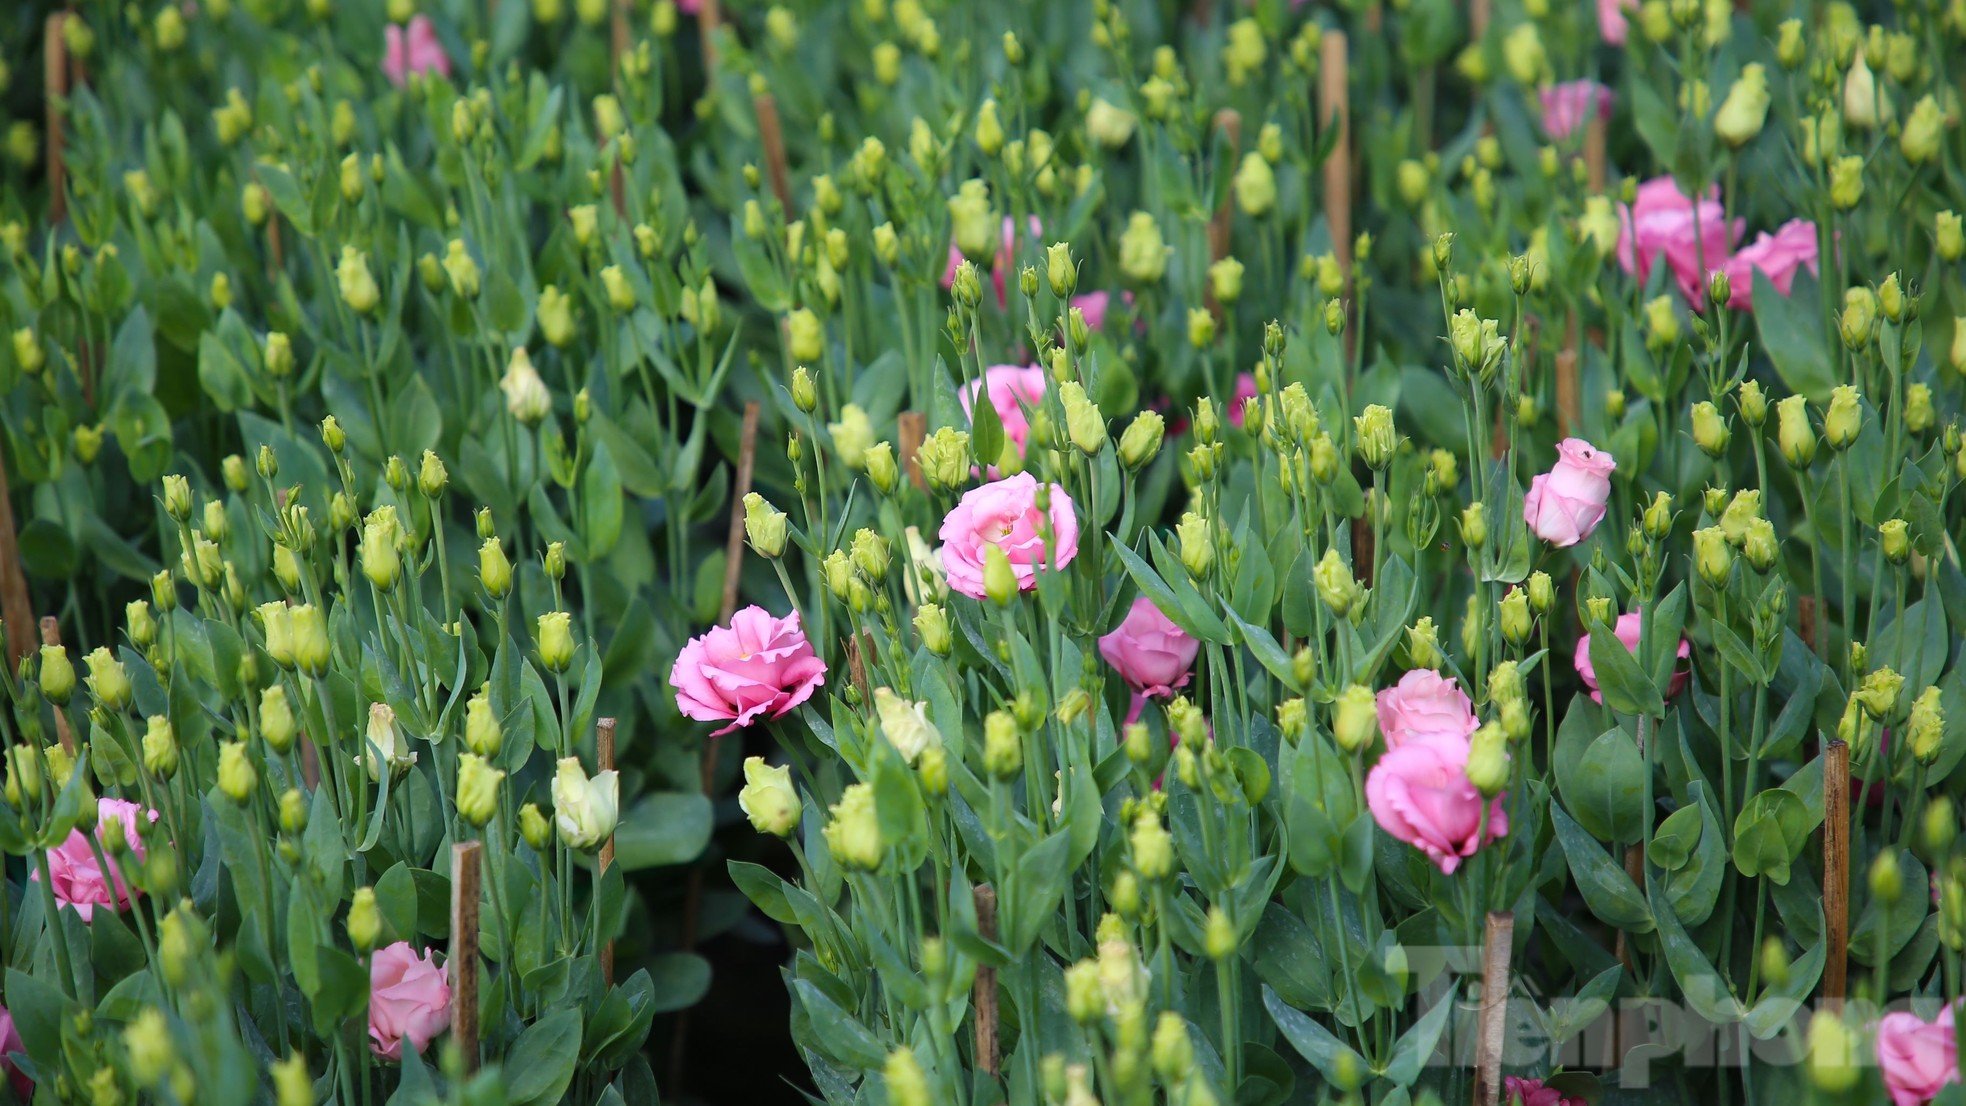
(1606, 791)
(600, 503)
(1625, 686)
(541, 1063)
(1606, 887)
(664, 827)
(1792, 333)
(845, 1039)
(1330, 1056)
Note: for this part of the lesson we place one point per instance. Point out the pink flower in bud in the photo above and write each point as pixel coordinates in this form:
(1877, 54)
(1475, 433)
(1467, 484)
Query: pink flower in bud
(1694, 238)
(1149, 651)
(78, 879)
(413, 49)
(1777, 256)
(1569, 105)
(1424, 705)
(1566, 503)
(1627, 631)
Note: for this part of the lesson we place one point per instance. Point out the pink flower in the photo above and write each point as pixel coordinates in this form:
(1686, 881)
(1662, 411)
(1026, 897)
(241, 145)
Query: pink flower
(78, 880)
(999, 265)
(1149, 651)
(689, 7)
(1777, 256)
(1627, 631)
(1611, 20)
(413, 50)
(1517, 1091)
(1694, 238)
(1566, 503)
(758, 666)
(1013, 390)
(409, 999)
(1425, 705)
(1005, 514)
(1093, 306)
(1917, 1057)
(1419, 792)
(10, 1043)
(1569, 105)
(1245, 390)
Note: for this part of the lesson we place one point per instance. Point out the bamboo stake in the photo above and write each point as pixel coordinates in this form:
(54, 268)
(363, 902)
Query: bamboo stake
(16, 606)
(1594, 169)
(55, 90)
(912, 427)
(747, 456)
(604, 762)
(1805, 620)
(984, 994)
(1363, 553)
(1335, 106)
(1479, 13)
(1836, 868)
(771, 134)
(709, 19)
(1497, 945)
(51, 635)
(465, 857)
(1569, 401)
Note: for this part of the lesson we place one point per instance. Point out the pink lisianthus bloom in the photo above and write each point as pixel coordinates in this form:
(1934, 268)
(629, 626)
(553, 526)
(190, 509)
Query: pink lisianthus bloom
(75, 876)
(1419, 792)
(999, 265)
(1611, 22)
(413, 49)
(409, 1000)
(1245, 390)
(1149, 651)
(1424, 705)
(757, 667)
(1566, 503)
(1627, 631)
(1777, 256)
(1569, 105)
(1917, 1058)
(1694, 238)
(1005, 514)
(1517, 1091)
(689, 7)
(1014, 390)
(10, 1043)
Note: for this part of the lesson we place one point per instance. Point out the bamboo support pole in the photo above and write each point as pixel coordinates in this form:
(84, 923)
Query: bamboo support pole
(1836, 869)
(771, 135)
(55, 90)
(465, 892)
(1334, 106)
(16, 606)
(984, 992)
(912, 428)
(1497, 945)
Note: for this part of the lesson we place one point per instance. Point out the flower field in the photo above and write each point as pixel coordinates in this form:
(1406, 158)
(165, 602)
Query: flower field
(1203, 552)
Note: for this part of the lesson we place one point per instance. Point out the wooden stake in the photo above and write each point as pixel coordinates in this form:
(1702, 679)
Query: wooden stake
(16, 607)
(604, 762)
(1479, 12)
(747, 456)
(1363, 553)
(912, 426)
(709, 19)
(55, 90)
(1335, 107)
(618, 36)
(51, 635)
(856, 666)
(1497, 945)
(1805, 620)
(1836, 868)
(465, 856)
(984, 993)
(1594, 170)
(772, 135)
(1569, 398)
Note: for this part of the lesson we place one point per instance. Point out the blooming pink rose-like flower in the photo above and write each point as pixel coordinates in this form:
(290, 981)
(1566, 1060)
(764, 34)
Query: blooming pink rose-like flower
(409, 1000)
(1777, 256)
(1611, 21)
(1566, 503)
(756, 667)
(999, 265)
(1627, 631)
(413, 49)
(1423, 705)
(1149, 651)
(1569, 105)
(1005, 514)
(1245, 390)
(1013, 389)
(1093, 305)
(689, 7)
(1419, 792)
(78, 880)
(10, 1043)
(1917, 1058)
(1517, 1091)
(1694, 238)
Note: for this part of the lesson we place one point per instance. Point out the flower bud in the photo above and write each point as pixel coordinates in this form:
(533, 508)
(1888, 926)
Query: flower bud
(1196, 537)
(477, 789)
(1950, 235)
(765, 526)
(1376, 438)
(1474, 525)
(556, 645)
(364, 920)
(57, 675)
(1712, 555)
(312, 649)
(999, 579)
(1354, 718)
(1488, 760)
(1843, 419)
(159, 747)
(853, 832)
(1709, 429)
(1514, 616)
(293, 812)
(236, 777)
(1542, 592)
(1335, 584)
(534, 828)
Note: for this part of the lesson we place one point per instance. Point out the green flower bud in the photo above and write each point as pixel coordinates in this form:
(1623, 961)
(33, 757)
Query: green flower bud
(555, 636)
(1354, 718)
(534, 828)
(765, 526)
(364, 920)
(853, 833)
(477, 789)
(1843, 419)
(57, 674)
(1377, 440)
